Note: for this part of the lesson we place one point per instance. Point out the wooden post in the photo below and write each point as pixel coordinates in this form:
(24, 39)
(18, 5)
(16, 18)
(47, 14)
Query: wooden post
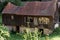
(28, 24)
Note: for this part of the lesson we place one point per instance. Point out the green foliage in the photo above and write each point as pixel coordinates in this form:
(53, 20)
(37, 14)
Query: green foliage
(0, 19)
(35, 35)
(30, 0)
(16, 2)
(53, 36)
(4, 34)
(2, 5)
(56, 32)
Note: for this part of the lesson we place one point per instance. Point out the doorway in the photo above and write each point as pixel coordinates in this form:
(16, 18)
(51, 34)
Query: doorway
(17, 29)
(41, 30)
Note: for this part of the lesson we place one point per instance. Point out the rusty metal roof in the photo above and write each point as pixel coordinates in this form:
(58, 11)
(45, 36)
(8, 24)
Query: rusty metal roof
(9, 8)
(35, 8)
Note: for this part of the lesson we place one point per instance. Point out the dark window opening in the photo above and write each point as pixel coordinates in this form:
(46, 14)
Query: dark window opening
(17, 29)
(28, 20)
(41, 30)
(31, 23)
(31, 20)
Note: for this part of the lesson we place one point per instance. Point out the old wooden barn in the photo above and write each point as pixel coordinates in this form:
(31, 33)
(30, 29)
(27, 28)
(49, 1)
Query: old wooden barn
(42, 15)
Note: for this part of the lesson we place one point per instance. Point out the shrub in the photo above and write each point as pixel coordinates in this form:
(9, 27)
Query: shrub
(4, 34)
(15, 2)
(35, 35)
(2, 6)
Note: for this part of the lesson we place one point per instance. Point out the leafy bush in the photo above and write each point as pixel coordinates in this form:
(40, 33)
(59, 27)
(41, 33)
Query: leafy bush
(2, 5)
(16, 2)
(4, 34)
(0, 19)
(35, 35)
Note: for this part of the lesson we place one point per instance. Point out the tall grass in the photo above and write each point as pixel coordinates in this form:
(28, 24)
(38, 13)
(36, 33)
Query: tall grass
(35, 35)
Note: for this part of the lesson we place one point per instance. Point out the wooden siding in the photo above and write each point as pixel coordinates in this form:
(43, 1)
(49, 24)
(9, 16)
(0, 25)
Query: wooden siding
(18, 20)
(21, 20)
